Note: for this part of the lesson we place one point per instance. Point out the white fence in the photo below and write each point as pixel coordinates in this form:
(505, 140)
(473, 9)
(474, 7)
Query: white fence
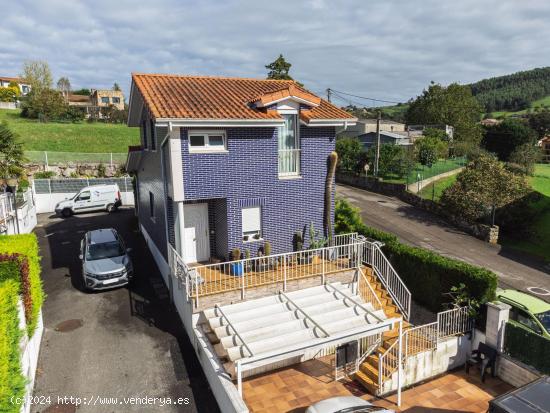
(8, 105)
(48, 192)
(47, 158)
(17, 213)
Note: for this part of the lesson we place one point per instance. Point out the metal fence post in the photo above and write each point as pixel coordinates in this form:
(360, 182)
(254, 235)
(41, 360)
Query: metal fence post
(45, 160)
(243, 280)
(284, 271)
(323, 257)
(111, 159)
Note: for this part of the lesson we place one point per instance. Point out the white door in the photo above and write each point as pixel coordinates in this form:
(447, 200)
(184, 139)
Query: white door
(196, 239)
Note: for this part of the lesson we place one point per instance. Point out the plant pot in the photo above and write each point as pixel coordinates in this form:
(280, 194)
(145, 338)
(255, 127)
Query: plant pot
(237, 269)
(305, 258)
(261, 265)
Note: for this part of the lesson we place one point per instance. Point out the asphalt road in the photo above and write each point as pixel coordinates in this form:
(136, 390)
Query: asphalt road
(122, 343)
(416, 227)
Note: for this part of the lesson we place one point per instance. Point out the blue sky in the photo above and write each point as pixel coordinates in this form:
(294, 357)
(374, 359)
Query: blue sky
(389, 49)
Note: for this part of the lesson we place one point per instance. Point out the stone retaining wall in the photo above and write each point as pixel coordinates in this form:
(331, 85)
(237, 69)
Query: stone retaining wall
(74, 170)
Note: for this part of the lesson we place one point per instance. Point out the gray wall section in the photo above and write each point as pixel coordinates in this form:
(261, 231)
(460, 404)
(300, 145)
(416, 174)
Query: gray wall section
(150, 181)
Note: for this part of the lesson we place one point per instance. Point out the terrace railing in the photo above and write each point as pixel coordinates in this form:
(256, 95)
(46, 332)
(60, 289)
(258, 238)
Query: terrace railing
(373, 256)
(454, 321)
(289, 162)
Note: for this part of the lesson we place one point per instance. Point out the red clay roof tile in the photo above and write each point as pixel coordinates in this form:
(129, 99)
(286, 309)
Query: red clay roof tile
(205, 97)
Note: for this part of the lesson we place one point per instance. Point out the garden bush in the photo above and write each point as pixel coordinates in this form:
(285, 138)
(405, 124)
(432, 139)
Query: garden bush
(12, 381)
(517, 339)
(25, 247)
(429, 276)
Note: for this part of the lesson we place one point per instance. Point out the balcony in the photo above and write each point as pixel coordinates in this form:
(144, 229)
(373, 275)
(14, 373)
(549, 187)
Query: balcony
(289, 162)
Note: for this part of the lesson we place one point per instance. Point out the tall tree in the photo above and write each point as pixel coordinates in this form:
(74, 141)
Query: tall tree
(504, 138)
(452, 105)
(116, 87)
(540, 123)
(37, 73)
(278, 69)
(482, 187)
(64, 86)
(11, 153)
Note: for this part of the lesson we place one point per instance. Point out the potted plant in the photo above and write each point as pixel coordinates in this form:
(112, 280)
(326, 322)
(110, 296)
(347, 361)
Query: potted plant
(261, 264)
(236, 267)
(315, 242)
(247, 262)
(272, 262)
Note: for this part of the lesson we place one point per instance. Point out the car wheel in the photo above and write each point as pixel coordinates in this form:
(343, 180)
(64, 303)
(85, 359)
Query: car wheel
(111, 208)
(66, 213)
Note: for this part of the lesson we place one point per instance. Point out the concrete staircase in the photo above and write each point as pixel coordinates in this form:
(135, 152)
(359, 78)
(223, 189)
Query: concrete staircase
(274, 323)
(368, 370)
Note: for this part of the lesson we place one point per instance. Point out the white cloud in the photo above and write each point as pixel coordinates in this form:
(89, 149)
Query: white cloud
(388, 49)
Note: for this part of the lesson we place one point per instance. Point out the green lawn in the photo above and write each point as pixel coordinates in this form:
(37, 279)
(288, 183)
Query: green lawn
(539, 243)
(70, 137)
(422, 172)
(540, 103)
(434, 190)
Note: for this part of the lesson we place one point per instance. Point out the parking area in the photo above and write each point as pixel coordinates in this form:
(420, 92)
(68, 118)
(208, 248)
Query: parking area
(115, 350)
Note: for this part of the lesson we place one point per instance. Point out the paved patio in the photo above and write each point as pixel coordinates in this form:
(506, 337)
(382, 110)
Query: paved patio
(294, 388)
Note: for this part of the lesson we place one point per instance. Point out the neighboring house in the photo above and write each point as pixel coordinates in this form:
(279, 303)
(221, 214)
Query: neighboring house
(24, 87)
(106, 98)
(229, 163)
(416, 131)
(489, 122)
(81, 101)
(364, 126)
(393, 138)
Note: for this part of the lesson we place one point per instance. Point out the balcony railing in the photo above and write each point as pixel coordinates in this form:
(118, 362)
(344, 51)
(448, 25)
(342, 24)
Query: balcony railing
(289, 162)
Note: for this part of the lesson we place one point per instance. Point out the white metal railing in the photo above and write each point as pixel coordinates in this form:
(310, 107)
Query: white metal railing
(367, 345)
(453, 322)
(278, 268)
(388, 277)
(366, 292)
(423, 338)
(344, 239)
(7, 209)
(289, 162)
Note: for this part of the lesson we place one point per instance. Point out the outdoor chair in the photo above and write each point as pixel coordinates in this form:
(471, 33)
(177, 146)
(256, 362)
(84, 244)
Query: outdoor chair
(485, 357)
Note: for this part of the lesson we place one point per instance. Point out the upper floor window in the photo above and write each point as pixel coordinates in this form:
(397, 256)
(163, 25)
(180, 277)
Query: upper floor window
(207, 141)
(116, 99)
(105, 99)
(289, 146)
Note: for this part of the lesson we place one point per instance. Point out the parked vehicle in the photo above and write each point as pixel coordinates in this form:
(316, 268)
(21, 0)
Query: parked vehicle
(105, 260)
(527, 311)
(345, 404)
(91, 198)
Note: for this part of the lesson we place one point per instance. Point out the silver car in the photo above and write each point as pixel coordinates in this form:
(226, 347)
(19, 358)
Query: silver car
(345, 404)
(105, 260)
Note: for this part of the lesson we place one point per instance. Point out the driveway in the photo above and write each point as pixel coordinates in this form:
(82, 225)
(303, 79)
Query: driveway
(108, 347)
(417, 227)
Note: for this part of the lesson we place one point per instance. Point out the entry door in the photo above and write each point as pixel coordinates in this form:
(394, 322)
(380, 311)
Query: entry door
(196, 237)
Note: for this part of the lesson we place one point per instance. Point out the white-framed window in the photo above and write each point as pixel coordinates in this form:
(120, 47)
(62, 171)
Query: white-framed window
(207, 141)
(252, 223)
(289, 146)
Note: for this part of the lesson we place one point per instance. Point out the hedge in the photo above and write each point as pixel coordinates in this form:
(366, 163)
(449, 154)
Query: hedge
(518, 339)
(12, 381)
(429, 276)
(26, 246)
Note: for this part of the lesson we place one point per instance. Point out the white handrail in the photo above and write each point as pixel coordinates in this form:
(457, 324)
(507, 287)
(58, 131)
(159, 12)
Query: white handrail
(391, 280)
(371, 293)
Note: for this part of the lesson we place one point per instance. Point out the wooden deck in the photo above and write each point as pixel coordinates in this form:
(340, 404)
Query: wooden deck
(218, 278)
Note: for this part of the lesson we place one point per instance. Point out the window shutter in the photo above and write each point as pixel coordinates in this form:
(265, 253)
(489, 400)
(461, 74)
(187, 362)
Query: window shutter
(251, 219)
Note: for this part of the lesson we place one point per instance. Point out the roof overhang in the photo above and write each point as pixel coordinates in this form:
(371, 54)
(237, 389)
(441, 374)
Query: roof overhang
(330, 122)
(133, 159)
(218, 123)
(135, 106)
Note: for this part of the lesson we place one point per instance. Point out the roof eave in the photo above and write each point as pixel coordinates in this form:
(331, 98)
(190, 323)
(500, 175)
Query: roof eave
(219, 123)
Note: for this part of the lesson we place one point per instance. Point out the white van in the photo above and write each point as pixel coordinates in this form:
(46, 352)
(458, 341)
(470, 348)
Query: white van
(91, 198)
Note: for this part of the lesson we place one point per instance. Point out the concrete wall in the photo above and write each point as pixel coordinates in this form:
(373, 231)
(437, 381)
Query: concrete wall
(514, 372)
(30, 349)
(45, 203)
(450, 353)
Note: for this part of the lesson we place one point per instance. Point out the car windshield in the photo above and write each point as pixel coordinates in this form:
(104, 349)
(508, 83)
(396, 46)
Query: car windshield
(104, 250)
(544, 319)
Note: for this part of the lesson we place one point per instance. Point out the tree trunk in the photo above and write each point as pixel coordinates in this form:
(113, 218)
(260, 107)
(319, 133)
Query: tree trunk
(331, 171)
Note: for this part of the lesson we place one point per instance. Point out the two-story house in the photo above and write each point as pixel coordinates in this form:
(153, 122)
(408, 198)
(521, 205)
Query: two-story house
(229, 163)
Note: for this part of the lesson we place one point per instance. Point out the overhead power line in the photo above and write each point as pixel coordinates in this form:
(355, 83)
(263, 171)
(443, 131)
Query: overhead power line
(363, 97)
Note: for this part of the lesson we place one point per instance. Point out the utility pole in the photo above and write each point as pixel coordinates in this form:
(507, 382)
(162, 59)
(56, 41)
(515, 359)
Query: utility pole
(377, 144)
(329, 94)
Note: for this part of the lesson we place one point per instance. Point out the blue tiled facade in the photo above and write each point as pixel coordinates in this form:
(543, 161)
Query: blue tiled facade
(247, 175)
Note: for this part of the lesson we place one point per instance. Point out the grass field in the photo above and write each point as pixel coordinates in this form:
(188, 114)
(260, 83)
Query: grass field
(70, 137)
(434, 190)
(539, 243)
(422, 172)
(540, 103)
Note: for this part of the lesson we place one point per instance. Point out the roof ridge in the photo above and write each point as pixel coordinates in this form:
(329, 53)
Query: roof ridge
(212, 77)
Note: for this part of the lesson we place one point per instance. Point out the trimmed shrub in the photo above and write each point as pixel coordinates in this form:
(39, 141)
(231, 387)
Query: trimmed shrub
(12, 381)
(518, 339)
(26, 246)
(429, 276)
